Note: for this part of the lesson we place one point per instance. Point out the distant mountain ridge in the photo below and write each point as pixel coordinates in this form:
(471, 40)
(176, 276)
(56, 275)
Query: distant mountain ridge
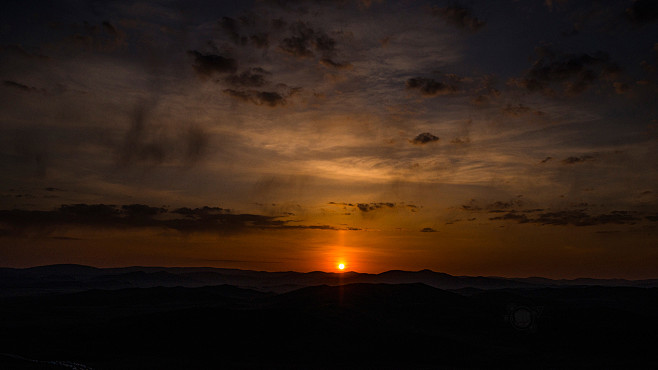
(72, 278)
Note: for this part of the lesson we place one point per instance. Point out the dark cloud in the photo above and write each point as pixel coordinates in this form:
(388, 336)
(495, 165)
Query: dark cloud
(333, 64)
(315, 227)
(109, 28)
(324, 43)
(195, 144)
(495, 207)
(546, 159)
(424, 138)
(206, 65)
(269, 98)
(431, 87)
(412, 207)
(151, 144)
(304, 38)
(139, 144)
(17, 85)
(573, 217)
(643, 11)
(427, 230)
(485, 91)
(461, 141)
(204, 219)
(342, 204)
(23, 87)
(232, 29)
(296, 46)
(556, 72)
(141, 210)
(260, 40)
(512, 216)
(573, 160)
(254, 77)
(519, 110)
(459, 16)
(367, 207)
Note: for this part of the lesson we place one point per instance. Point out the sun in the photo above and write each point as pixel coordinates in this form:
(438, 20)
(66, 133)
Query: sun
(341, 266)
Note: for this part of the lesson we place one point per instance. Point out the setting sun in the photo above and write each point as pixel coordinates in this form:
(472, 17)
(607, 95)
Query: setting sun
(341, 266)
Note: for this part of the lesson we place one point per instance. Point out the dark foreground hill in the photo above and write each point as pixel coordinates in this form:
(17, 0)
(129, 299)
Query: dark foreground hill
(361, 325)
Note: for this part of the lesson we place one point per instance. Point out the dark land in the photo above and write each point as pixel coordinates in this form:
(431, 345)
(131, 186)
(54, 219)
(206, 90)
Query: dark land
(78, 317)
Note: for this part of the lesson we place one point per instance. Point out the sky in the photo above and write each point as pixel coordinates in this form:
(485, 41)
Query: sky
(508, 138)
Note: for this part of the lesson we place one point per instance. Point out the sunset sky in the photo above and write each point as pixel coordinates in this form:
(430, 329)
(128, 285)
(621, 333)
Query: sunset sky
(510, 138)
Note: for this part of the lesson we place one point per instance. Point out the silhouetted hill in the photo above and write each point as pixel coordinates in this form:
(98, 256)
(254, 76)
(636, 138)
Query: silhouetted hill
(72, 278)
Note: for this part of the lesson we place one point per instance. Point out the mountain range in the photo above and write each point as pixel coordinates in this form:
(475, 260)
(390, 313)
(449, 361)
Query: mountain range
(72, 278)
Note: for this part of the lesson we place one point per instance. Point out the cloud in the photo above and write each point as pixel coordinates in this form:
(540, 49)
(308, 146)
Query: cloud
(495, 207)
(512, 216)
(546, 159)
(431, 87)
(304, 38)
(17, 85)
(141, 210)
(230, 26)
(459, 16)
(185, 219)
(571, 217)
(427, 230)
(260, 40)
(643, 11)
(254, 77)
(367, 207)
(519, 110)
(460, 141)
(138, 143)
(269, 98)
(486, 91)
(574, 160)
(556, 72)
(149, 144)
(342, 204)
(424, 138)
(206, 65)
(332, 64)
(111, 30)
(196, 142)
(375, 206)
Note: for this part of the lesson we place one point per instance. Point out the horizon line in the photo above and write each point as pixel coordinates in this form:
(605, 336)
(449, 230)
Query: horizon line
(329, 272)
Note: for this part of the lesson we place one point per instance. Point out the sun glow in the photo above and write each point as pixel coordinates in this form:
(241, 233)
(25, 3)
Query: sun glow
(341, 266)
